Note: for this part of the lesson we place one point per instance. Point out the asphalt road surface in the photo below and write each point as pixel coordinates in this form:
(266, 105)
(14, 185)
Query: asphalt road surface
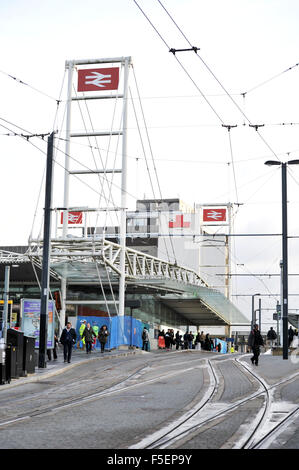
(130, 401)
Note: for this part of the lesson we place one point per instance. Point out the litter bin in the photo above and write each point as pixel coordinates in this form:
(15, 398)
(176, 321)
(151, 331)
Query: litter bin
(29, 355)
(16, 339)
(11, 363)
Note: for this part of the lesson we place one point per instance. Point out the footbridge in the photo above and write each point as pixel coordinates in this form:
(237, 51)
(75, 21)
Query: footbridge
(87, 261)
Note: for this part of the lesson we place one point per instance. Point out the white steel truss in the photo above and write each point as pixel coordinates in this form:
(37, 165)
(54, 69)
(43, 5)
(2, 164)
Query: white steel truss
(138, 265)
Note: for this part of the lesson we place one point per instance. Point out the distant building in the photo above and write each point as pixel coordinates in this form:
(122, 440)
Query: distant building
(190, 236)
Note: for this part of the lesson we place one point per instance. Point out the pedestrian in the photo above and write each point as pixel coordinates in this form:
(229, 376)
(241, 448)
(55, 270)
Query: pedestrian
(202, 340)
(218, 347)
(103, 336)
(177, 340)
(207, 343)
(161, 340)
(271, 336)
(190, 338)
(172, 341)
(68, 339)
(290, 335)
(255, 340)
(49, 351)
(81, 329)
(145, 339)
(88, 334)
(197, 342)
(186, 340)
(168, 339)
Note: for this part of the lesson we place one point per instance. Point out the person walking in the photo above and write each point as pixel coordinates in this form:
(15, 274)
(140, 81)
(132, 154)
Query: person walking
(49, 351)
(202, 340)
(168, 339)
(255, 340)
(172, 341)
(190, 338)
(290, 336)
(103, 336)
(271, 336)
(145, 339)
(68, 339)
(207, 343)
(186, 340)
(177, 340)
(88, 334)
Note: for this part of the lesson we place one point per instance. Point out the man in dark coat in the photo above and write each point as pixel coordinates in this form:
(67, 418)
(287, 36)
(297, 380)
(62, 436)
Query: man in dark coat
(271, 336)
(88, 334)
(68, 339)
(177, 340)
(255, 340)
(145, 339)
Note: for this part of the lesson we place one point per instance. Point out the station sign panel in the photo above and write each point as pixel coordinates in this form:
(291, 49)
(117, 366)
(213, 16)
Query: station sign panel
(98, 79)
(74, 218)
(214, 215)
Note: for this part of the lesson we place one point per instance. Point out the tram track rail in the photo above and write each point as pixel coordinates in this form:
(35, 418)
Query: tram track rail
(63, 403)
(98, 393)
(253, 442)
(174, 433)
(186, 425)
(271, 435)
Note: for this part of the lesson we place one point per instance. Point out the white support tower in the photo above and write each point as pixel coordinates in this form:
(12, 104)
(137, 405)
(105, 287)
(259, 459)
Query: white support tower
(94, 87)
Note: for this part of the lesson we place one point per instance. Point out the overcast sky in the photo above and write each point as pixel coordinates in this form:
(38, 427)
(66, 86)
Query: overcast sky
(250, 46)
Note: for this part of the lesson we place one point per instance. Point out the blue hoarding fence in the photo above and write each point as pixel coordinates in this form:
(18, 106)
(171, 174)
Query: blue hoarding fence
(223, 349)
(128, 332)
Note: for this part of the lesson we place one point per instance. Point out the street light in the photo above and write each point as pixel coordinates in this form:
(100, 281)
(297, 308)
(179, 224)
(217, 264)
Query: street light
(284, 250)
(253, 319)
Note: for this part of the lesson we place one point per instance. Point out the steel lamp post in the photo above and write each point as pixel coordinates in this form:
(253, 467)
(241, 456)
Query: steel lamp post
(253, 318)
(284, 249)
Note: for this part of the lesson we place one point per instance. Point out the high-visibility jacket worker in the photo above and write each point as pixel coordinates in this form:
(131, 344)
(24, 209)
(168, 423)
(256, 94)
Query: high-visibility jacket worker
(81, 329)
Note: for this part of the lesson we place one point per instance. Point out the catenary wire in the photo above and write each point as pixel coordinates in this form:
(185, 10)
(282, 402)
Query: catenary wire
(217, 80)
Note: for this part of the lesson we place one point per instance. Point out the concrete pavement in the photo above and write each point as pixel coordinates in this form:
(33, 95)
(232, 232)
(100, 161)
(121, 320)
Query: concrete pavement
(58, 366)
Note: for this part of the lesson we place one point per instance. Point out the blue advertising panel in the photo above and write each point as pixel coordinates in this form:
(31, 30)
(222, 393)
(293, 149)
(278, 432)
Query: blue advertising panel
(30, 313)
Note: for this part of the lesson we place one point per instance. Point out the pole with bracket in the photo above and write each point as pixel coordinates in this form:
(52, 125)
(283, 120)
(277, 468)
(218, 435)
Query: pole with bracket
(284, 262)
(43, 330)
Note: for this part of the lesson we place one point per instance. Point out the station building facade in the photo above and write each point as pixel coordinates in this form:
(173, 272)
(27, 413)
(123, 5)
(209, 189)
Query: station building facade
(166, 229)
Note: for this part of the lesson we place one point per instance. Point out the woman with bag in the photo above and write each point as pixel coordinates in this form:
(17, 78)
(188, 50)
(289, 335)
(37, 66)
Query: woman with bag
(103, 336)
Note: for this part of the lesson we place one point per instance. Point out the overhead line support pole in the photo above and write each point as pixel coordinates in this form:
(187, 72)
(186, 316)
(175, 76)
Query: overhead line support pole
(123, 221)
(43, 330)
(70, 67)
(284, 261)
